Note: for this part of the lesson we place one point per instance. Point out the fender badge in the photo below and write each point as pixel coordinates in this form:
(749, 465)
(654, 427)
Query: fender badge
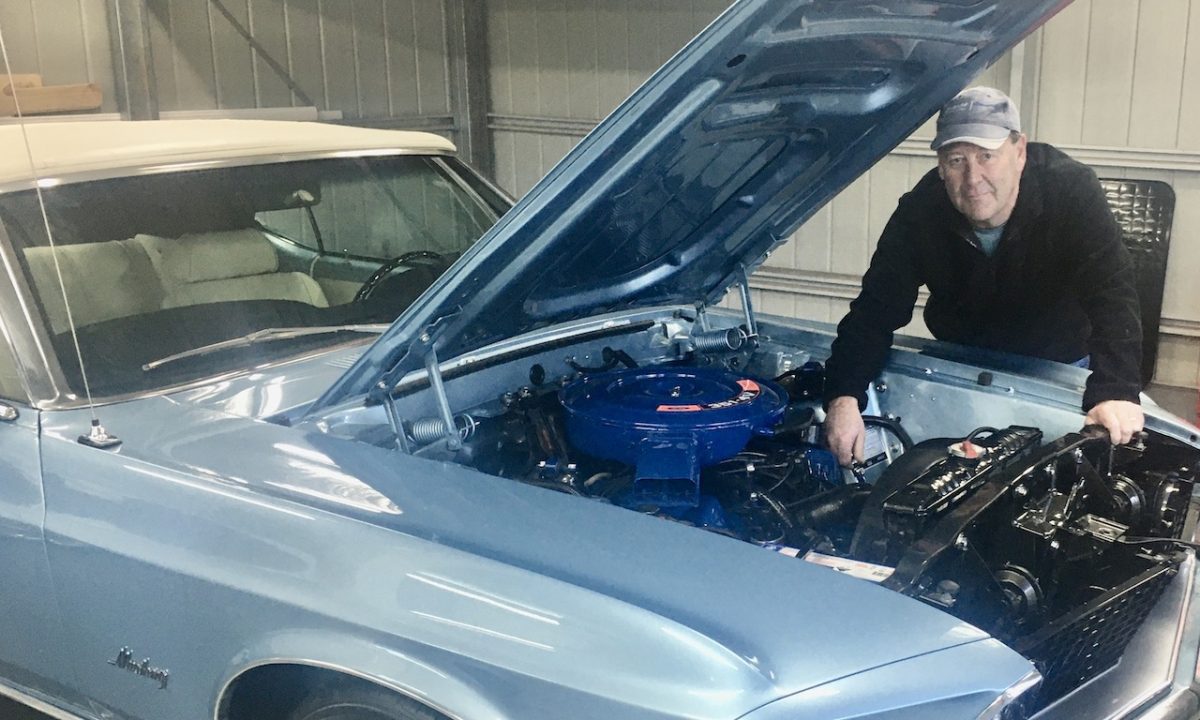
(125, 661)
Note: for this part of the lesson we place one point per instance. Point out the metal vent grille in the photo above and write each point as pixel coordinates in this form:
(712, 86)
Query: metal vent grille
(1080, 646)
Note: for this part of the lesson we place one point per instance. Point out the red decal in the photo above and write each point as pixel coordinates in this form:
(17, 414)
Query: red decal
(748, 385)
(679, 408)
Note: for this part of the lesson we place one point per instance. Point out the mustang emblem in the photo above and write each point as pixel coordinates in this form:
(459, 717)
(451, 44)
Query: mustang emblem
(125, 661)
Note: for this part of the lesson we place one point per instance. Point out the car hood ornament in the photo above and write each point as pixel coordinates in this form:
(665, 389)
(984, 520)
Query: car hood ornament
(715, 160)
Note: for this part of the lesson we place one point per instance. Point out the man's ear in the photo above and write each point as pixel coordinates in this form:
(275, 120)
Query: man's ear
(1022, 143)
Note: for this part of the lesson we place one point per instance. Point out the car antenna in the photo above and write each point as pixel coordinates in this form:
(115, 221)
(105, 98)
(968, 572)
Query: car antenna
(96, 436)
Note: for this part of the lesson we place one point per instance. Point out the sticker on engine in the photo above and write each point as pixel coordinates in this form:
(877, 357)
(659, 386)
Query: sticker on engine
(750, 391)
(855, 568)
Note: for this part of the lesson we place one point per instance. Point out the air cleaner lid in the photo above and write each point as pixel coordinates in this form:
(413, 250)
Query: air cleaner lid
(675, 398)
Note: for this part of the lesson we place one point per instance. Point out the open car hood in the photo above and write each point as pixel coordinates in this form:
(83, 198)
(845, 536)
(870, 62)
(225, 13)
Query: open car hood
(715, 160)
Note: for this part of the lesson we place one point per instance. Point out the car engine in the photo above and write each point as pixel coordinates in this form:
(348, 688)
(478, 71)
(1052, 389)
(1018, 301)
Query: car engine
(1038, 541)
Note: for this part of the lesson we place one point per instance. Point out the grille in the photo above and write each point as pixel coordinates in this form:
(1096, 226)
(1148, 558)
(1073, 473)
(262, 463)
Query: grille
(1079, 646)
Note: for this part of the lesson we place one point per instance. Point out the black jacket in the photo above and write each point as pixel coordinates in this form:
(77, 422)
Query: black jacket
(1059, 286)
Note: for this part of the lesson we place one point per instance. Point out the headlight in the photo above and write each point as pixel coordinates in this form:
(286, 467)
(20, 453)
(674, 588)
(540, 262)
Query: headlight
(1008, 706)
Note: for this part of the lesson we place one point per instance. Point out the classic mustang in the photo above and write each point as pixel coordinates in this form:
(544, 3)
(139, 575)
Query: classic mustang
(304, 422)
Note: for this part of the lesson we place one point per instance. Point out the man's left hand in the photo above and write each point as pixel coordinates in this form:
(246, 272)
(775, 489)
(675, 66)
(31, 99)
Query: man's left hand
(1120, 417)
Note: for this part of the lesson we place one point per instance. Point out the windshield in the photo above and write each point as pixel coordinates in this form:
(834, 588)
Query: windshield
(158, 266)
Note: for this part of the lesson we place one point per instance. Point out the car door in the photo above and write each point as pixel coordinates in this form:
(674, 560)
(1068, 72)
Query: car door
(33, 653)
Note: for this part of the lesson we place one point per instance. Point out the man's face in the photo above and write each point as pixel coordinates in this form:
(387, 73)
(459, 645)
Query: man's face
(983, 183)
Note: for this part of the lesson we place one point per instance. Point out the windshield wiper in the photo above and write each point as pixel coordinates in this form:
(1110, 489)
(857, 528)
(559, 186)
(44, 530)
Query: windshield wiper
(265, 335)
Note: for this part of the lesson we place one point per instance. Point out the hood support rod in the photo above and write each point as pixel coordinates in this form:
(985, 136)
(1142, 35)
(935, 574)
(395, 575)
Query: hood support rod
(453, 439)
(747, 306)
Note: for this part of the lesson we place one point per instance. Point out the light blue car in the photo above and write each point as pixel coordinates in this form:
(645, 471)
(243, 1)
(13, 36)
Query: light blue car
(288, 433)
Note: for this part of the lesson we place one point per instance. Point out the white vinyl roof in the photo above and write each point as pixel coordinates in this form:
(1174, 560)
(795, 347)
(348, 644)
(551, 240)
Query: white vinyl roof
(63, 149)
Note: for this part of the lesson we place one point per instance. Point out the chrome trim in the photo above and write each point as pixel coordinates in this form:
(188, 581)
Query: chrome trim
(240, 161)
(45, 708)
(1030, 680)
(531, 340)
(413, 695)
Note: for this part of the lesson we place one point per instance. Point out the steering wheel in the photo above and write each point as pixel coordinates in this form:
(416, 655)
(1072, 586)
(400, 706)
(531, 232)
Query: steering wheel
(413, 257)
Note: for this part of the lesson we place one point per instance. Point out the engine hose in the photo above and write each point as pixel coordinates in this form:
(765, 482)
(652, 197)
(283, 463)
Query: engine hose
(892, 426)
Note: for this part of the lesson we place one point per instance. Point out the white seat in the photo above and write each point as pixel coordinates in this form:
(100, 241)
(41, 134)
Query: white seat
(225, 266)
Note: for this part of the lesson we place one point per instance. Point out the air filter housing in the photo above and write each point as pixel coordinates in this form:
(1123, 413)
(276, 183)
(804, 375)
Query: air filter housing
(668, 424)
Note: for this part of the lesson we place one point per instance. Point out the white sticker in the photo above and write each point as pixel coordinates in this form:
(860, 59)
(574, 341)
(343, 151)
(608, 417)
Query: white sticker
(855, 568)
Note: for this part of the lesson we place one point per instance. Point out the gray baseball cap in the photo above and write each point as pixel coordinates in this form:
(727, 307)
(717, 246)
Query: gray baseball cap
(981, 116)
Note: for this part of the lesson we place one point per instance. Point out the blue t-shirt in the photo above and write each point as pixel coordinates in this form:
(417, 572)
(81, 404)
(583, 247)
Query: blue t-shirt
(989, 238)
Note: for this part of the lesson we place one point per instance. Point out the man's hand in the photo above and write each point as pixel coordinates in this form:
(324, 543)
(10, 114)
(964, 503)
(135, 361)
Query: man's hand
(1120, 417)
(844, 430)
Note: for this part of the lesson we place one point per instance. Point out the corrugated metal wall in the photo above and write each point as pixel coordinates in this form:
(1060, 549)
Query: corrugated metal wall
(367, 58)
(1114, 82)
(372, 60)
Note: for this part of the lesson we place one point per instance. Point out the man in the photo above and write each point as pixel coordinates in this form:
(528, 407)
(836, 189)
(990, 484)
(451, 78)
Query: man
(1020, 253)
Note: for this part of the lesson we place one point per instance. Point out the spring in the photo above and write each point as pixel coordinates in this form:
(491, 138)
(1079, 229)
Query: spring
(719, 340)
(430, 430)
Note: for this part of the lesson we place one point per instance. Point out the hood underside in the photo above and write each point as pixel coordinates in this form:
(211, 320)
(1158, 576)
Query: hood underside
(718, 158)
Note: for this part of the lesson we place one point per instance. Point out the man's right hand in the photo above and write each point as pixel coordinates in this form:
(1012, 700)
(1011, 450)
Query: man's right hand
(844, 430)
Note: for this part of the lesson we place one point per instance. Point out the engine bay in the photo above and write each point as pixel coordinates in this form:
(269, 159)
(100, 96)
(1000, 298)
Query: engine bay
(1058, 546)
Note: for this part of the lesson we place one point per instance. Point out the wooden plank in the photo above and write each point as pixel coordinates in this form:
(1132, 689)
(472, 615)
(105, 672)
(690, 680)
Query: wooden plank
(1189, 102)
(192, 56)
(371, 56)
(433, 81)
(305, 50)
(1108, 89)
(1063, 71)
(50, 99)
(583, 76)
(20, 81)
(400, 19)
(551, 29)
(269, 24)
(337, 48)
(233, 58)
(1158, 73)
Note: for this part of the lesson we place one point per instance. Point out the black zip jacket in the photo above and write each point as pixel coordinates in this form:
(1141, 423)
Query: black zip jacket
(1059, 285)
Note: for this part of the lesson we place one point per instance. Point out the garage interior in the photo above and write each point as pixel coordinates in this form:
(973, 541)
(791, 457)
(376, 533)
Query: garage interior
(516, 83)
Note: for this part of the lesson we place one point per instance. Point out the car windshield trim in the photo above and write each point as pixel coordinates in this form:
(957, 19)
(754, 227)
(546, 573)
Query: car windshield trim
(264, 335)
